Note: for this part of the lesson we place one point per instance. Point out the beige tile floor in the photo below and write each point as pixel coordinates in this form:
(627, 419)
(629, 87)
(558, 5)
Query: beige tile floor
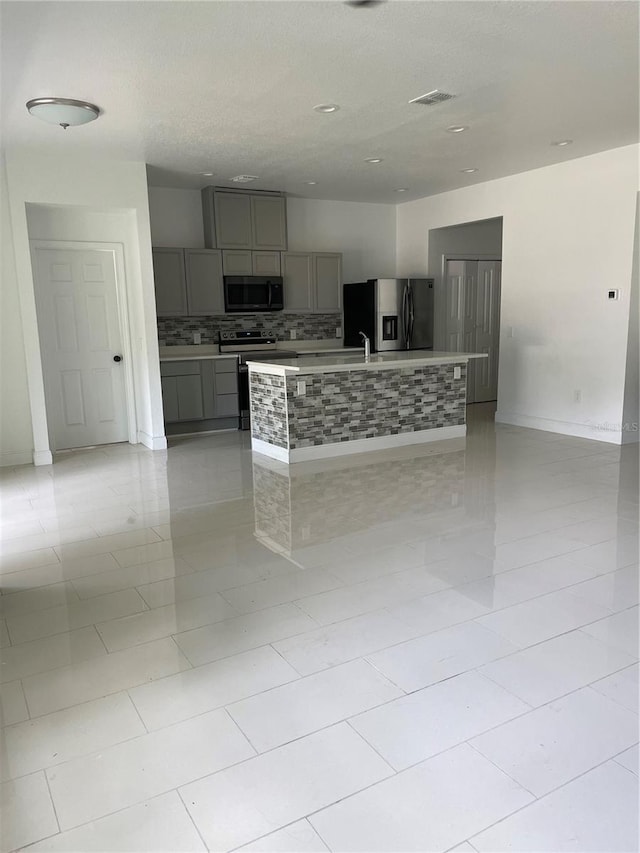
(429, 649)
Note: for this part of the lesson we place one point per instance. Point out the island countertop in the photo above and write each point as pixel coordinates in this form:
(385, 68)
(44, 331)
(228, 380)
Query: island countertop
(356, 361)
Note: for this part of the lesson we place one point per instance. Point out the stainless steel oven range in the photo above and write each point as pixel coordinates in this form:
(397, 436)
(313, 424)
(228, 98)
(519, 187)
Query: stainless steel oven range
(251, 345)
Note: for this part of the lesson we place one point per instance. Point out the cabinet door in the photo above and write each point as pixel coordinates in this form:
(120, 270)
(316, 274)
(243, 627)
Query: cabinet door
(204, 281)
(208, 218)
(265, 263)
(269, 222)
(297, 275)
(233, 220)
(169, 398)
(237, 262)
(327, 268)
(189, 398)
(169, 281)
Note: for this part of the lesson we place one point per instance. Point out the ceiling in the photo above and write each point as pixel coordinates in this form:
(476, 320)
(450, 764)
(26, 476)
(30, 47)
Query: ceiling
(229, 87)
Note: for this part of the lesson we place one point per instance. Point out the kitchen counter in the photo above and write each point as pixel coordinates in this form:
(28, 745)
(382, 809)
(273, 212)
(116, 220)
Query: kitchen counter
(317, 408)
(193, 352)
(355, 360)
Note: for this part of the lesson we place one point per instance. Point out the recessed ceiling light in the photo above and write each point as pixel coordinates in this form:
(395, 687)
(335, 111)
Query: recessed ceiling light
(206, 174)
(402, 190)
(468, 171)
(562, 142)
(311, 183)
(326, 108)
(373, 160)
(457, 128)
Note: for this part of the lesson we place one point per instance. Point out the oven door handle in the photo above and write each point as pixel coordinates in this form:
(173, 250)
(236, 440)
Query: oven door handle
(270, 296)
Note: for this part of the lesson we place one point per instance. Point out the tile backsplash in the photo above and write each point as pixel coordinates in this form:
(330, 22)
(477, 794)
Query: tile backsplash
(178, 331)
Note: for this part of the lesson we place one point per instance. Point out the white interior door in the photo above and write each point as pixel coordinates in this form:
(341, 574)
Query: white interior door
(487, 314)
(454, 306)
(80, 336)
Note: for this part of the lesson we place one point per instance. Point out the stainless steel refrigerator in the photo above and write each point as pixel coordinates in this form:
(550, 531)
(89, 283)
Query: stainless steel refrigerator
(394, 313)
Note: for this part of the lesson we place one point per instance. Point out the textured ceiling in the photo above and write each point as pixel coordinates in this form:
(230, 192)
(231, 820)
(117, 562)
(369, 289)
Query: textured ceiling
(228, 86)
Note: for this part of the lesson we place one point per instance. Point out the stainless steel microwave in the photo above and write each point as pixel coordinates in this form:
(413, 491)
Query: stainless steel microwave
(244, 293)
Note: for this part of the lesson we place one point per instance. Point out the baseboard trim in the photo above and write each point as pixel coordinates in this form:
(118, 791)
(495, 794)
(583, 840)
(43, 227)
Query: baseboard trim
(153, 442)
(362, 445)
(42, 457)
(8, 458)
(601, 432)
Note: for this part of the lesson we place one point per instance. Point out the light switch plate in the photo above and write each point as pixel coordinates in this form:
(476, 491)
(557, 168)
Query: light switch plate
(456, 373)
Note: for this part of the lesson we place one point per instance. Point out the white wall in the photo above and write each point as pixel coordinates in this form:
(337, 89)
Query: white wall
(89, 186)
(16, 437)
(567, 237)
(364, 233)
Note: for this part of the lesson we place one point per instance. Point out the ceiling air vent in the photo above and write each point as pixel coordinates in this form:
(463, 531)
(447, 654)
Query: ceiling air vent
(244, 179)
(432, 98)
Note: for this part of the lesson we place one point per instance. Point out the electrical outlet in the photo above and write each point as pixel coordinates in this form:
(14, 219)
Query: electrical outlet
(293, 334)
(338, 331)
(197, 337)
(301, 387)
(457, 373)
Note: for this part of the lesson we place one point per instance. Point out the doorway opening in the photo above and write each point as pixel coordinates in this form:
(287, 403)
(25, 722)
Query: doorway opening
(466, 264)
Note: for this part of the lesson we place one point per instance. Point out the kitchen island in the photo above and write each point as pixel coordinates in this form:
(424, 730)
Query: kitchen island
(324, 406)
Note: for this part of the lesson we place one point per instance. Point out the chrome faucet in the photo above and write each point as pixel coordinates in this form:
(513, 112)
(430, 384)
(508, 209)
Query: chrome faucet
(367, 346)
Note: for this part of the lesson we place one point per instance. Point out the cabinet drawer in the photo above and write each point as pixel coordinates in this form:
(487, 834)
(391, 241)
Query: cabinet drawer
(180, 368)
(225, 365)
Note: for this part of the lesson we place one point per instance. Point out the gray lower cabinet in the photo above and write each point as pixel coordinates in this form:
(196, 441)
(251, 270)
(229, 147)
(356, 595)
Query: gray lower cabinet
(188, 282)
(199, 395)
(312, 282)
(241, 262)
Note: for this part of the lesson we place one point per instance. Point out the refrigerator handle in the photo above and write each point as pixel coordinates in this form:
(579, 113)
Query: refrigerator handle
(405, 315)
(411, 318)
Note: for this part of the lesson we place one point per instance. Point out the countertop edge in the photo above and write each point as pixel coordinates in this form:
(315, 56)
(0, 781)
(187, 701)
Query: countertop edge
(285, 369)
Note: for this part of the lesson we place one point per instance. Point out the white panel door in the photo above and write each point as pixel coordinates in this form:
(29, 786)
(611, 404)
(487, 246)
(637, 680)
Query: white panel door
(80, 335)
(454, 306)
(487, 315)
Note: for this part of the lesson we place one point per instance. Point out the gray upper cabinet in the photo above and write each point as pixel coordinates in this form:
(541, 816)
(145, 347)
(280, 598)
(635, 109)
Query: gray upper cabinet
(236, 262)
(312, 282)
(170, 282)
(265, 263)
(269, 222)
(327, 268)
(297, 276)
(240, 262)
(233, 220)
(204, 281)
(242, 220)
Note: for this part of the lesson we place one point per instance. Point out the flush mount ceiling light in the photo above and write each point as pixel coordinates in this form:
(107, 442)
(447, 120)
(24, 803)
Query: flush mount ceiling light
(244, 179)
(373, 160)
(457, 128)
(63, 111)
(326, 108)
(402, 190)
(468, 171)
(562, 142)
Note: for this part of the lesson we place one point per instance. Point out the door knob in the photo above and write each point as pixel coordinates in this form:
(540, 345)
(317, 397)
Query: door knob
(117, 358)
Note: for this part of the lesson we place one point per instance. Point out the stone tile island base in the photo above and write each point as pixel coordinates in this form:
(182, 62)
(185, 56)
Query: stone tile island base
(318, 408)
